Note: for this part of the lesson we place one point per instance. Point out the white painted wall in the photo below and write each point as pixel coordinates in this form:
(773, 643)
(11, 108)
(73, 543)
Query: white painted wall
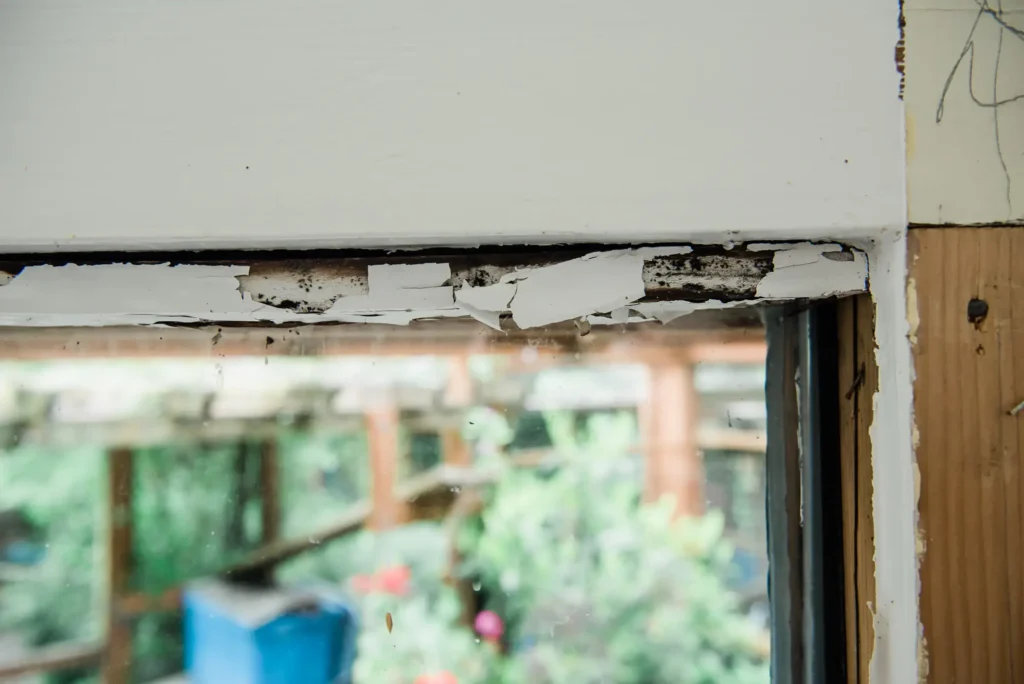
(966, 166)
(148, 124)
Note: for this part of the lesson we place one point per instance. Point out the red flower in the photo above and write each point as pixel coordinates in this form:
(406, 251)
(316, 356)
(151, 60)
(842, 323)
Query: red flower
(394, 580)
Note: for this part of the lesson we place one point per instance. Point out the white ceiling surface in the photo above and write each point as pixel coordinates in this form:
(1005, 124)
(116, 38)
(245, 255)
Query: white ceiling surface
(141, 124)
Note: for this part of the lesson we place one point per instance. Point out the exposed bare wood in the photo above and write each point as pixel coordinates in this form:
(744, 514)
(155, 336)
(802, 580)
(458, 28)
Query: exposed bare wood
(846, 315)
(968, 377)
(53, 659)
(858, 380)
(865, 398)
(117, 663)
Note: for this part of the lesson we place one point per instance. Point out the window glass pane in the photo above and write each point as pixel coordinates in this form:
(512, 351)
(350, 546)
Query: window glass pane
(530, 507)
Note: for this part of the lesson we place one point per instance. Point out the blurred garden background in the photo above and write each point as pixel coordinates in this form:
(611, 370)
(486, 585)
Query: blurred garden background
(534, 512)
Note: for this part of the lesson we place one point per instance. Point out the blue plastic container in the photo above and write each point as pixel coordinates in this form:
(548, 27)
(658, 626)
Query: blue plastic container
(241, 635)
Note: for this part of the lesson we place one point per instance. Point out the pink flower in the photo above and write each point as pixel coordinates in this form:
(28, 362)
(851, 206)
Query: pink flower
(443, 677)
(488, 625)
(395, 580)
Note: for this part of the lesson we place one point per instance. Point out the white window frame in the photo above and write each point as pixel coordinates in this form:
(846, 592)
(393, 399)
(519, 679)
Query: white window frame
(595, 286)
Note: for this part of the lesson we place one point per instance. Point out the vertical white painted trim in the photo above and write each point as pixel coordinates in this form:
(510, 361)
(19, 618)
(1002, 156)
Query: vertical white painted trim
(895, 607)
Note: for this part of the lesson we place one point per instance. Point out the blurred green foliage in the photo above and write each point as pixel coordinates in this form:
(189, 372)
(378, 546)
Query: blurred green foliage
(61, 493)
(593, 586)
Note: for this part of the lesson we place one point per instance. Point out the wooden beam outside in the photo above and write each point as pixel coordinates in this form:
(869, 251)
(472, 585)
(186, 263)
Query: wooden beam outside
(751, 352)
(440, 480)
(54, 658)
(279, 551)
(420, 338)
(117, 665)
(969, 364)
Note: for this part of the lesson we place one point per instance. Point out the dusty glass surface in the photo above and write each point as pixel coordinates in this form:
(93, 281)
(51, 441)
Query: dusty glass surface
(579, 504)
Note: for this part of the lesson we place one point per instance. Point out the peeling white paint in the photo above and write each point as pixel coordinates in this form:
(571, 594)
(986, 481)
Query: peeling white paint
(123, 294)
(796, 265)
(601, 282)
(599, 288)
(596, 283)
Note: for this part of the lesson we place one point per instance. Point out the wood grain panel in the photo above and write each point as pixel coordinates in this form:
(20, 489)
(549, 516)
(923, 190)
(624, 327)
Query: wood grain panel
(858, 380)
(969, 455)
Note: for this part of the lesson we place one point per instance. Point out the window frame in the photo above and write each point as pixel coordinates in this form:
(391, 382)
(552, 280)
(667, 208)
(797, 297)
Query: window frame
(792, 283)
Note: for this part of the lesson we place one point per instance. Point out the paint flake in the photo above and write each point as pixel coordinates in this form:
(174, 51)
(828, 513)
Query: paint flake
(596, 283)
(667, 312)
(487, 303)
(393, 277)
(798, 268)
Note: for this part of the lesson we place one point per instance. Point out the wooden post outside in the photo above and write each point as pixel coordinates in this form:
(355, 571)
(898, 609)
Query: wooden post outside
(382, 436)
(458, 395)
(669, 423)
(270, 490)
(459, 392)
(117, 665)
